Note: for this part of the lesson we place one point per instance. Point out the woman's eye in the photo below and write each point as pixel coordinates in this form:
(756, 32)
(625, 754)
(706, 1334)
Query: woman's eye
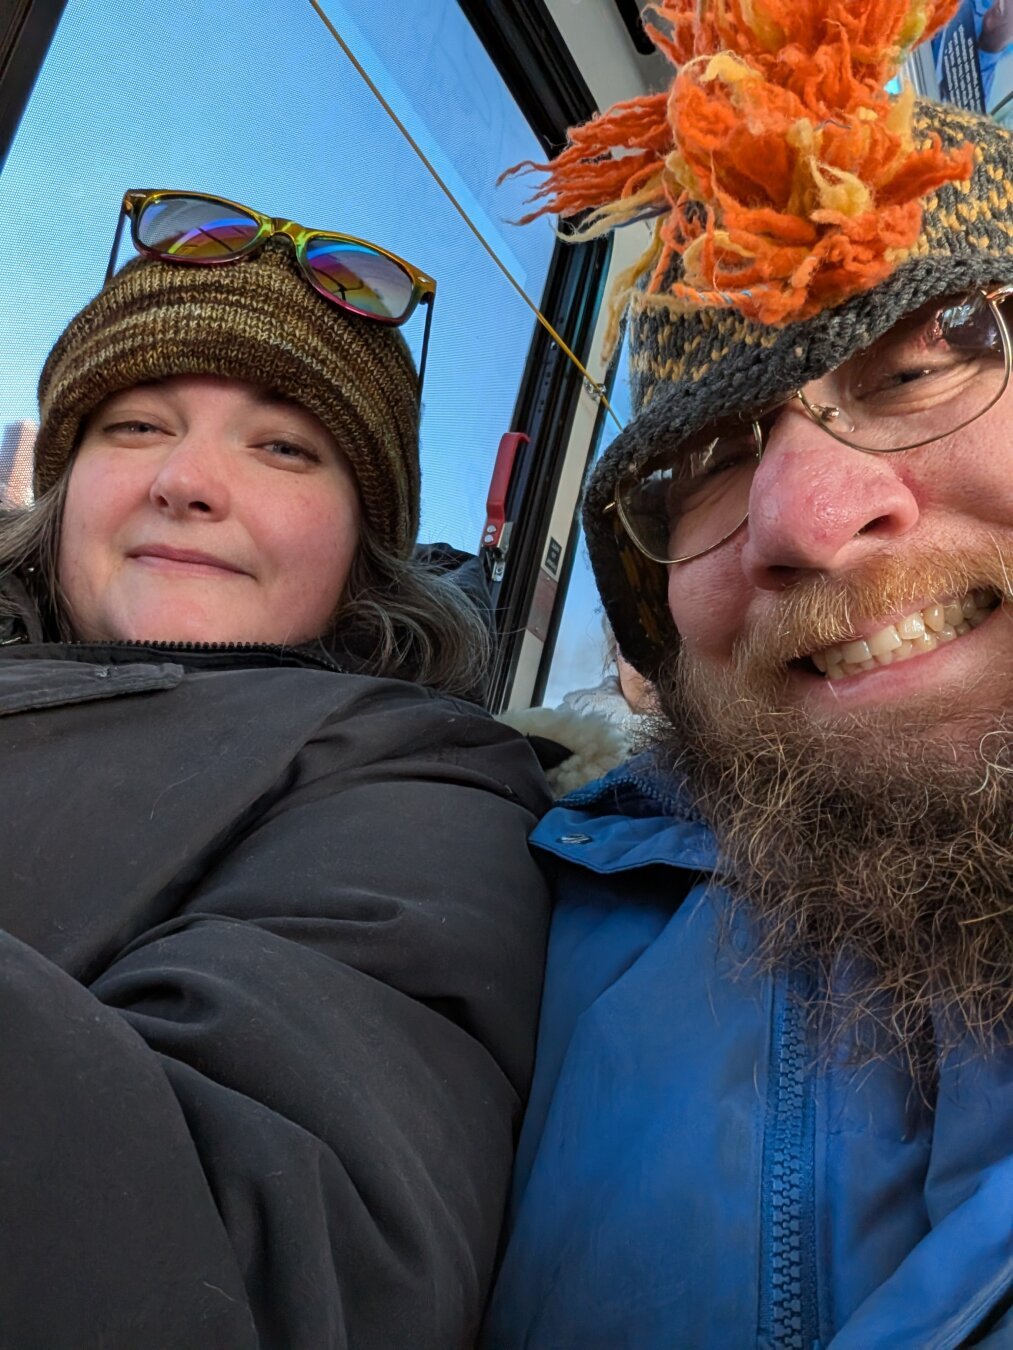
(927, 355)
(131, 428)
(290, 450)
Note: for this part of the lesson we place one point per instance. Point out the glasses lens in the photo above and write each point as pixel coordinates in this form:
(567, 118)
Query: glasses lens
(195, 228)
(682, 506)
(933, 372)
(360, 278)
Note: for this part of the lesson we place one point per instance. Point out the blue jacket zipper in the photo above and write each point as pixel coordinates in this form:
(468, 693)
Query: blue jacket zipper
(788, 1305)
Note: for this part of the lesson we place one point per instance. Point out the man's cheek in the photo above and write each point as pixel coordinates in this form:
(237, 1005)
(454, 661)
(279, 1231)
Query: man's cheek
(707, 604)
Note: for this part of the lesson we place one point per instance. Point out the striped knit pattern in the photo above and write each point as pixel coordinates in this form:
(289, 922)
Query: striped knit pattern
(688, 367)
(256, 320)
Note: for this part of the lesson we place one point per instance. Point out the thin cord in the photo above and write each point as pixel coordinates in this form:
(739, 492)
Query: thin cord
(597, 388)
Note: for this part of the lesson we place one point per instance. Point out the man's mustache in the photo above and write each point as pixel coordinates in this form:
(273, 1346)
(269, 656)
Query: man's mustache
(825, 611)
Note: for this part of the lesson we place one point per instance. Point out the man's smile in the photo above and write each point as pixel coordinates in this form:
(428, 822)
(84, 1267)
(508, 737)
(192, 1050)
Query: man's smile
(915, 634)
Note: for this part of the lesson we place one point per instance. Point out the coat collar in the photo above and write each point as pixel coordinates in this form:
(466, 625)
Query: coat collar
(636, 816)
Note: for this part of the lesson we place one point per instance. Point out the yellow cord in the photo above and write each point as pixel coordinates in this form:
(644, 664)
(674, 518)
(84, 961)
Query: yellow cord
(597, 389)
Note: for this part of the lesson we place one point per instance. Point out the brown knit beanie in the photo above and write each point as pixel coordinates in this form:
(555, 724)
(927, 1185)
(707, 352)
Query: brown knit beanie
(801, 212)
(256, 320)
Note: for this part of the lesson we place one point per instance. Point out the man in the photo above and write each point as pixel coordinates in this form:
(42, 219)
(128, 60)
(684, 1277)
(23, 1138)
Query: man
(773, 1104)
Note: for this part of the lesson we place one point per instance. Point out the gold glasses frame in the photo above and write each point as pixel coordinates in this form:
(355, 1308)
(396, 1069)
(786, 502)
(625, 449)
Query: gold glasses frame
(423, 287)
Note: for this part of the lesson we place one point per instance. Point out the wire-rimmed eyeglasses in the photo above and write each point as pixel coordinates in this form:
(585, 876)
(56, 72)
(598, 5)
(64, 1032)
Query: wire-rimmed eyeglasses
(934, 372)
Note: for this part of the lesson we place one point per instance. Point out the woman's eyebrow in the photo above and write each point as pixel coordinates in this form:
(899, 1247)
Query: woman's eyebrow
(272, 398)
(156, 383)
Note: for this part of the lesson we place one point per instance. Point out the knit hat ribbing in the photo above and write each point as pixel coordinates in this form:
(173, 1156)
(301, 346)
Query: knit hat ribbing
(256, 320)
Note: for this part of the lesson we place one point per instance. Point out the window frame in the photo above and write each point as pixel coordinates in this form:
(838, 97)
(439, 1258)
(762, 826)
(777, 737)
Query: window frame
(539, 70)
(24, 43)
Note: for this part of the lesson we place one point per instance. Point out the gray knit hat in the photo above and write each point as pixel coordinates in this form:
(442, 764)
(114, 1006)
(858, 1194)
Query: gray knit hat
(805, 212)
(256, 320)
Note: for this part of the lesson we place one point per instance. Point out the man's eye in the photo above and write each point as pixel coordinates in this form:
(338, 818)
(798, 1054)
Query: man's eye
(729, 460)
(895, 377)
(721, 456)
(946, 368)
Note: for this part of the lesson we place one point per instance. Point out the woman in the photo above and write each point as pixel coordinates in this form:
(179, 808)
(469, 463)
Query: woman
(270, 938)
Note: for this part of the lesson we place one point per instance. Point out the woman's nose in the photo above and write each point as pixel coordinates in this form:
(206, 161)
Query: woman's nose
(191, 480)
(819, 505)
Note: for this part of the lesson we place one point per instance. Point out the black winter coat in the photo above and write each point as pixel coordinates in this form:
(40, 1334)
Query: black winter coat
(270, 950)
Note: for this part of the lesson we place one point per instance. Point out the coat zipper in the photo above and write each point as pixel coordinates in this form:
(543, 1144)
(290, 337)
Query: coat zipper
(788, 1308)
(322, 659)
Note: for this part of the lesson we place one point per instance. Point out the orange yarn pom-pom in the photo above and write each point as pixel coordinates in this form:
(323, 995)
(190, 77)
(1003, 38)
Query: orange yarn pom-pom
(786, 177)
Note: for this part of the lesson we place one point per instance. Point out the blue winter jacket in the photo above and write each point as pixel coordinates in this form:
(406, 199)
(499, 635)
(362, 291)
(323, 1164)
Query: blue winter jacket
(687, 1177)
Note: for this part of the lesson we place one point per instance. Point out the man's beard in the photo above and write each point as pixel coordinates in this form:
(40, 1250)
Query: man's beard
(876, 850)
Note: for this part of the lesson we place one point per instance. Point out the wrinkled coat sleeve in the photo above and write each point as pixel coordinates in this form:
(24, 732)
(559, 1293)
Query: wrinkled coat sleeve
(285, 1117)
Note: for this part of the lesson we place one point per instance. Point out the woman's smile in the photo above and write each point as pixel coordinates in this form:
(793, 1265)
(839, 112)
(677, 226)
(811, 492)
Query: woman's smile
(183, 561)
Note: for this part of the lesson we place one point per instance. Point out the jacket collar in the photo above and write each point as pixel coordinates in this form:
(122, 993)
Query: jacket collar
(192, 656)
(22, 635)
(636, 816)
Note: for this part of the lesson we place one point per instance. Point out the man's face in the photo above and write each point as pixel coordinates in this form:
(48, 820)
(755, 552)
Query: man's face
(862, 796)
(844, 583)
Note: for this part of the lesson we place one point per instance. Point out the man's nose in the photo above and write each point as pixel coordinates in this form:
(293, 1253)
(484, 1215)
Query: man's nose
(819, 505)
(191, 479)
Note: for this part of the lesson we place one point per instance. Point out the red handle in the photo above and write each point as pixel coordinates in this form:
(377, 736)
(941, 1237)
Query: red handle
(495, 507)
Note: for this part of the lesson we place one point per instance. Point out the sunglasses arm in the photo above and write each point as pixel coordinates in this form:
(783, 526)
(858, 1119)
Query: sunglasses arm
(116, 244)
(429, 302)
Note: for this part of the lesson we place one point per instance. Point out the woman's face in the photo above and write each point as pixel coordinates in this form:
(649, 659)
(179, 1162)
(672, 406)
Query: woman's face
(202, 509)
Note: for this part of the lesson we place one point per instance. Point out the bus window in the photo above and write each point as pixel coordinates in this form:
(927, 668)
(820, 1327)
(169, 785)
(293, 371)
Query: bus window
(578, 655)
(223, 99)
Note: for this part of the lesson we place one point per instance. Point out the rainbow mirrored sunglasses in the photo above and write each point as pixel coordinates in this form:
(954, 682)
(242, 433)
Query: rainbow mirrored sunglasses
(196, 228)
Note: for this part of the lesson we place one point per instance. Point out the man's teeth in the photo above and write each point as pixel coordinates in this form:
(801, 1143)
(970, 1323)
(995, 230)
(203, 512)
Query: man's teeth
(922, 631)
